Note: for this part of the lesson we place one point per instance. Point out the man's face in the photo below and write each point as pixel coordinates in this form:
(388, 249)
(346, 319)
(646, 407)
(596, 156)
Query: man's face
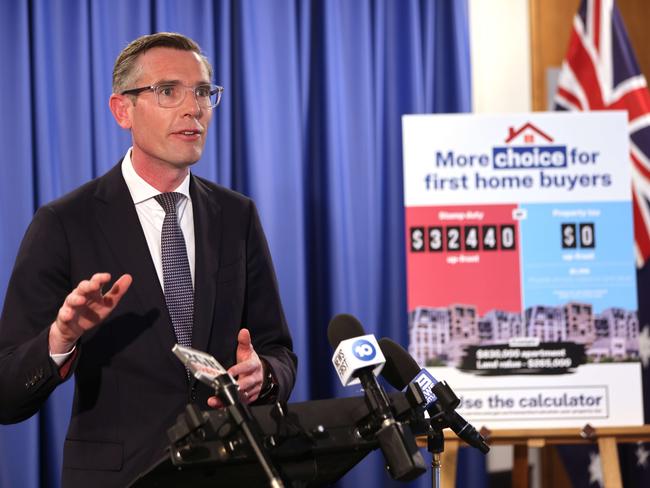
(169, 136)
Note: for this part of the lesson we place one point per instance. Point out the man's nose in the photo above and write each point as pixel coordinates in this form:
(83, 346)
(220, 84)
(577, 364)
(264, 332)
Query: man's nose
(191, 104)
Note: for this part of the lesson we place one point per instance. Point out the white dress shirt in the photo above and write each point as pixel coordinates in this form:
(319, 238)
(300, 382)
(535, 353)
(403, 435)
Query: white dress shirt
(151, 214)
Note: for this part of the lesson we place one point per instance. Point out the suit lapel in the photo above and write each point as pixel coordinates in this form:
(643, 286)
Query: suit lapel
(119, 222)
(207, 244)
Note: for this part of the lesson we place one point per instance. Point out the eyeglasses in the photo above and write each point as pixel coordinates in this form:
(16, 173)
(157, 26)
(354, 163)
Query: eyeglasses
(171, 95)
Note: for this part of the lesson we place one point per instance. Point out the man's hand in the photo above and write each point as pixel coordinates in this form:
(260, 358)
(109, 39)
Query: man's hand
(84, 308)
(248, 371)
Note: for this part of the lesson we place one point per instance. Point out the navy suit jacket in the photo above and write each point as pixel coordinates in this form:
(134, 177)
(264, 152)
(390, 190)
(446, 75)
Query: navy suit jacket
(129, 387)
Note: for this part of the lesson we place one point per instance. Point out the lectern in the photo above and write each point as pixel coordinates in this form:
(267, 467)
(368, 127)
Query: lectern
(311, 443)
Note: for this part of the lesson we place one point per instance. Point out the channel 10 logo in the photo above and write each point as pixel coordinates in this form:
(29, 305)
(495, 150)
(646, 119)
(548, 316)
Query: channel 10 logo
(364, 350)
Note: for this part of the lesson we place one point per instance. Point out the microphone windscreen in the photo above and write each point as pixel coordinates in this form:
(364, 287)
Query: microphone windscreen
(342, 327)
(400, 367)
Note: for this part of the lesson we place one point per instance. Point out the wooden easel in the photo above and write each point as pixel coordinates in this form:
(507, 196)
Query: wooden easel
(607, 439)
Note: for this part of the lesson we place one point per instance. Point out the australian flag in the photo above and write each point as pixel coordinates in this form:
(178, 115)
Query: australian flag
(600, 72)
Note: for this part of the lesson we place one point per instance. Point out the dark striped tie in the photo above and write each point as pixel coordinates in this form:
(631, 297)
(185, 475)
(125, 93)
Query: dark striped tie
(177, 280)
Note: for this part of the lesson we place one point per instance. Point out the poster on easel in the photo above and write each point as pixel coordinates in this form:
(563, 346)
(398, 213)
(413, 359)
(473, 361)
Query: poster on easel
(520, 265)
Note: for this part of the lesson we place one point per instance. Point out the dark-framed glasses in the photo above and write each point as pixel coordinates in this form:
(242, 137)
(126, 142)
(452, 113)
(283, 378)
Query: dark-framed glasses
(171, 95)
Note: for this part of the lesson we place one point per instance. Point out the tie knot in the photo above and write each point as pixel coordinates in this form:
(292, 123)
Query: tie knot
(169, 200)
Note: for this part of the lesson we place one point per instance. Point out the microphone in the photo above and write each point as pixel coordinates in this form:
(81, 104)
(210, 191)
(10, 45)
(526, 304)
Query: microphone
(401, 369)
(357, 359)
(208, 370)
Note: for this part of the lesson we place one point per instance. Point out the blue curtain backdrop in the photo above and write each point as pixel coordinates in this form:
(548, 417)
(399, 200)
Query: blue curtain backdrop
(309, 126)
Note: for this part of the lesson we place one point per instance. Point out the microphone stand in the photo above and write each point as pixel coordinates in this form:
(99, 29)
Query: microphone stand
(435, 445)
(433, 428)
(241, 416)
(435, 436)
(444, 407)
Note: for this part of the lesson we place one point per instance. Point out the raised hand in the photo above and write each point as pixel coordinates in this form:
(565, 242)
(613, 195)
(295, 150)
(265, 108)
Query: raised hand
(84, 308)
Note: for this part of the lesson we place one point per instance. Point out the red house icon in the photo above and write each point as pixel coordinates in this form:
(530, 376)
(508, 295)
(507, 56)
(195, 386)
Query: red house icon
(527, 134)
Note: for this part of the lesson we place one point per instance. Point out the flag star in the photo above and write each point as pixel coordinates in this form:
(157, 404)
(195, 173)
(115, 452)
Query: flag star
(595, 469)
(642, 455)
(644, 345)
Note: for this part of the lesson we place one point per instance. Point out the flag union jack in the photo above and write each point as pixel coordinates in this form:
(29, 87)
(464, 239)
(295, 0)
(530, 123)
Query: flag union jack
(600, 72)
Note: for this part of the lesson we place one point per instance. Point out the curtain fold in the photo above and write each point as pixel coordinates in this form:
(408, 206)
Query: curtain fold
(18, 443)
(309, 127)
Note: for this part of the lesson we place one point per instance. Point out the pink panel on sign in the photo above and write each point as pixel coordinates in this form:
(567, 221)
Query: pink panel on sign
(463, 254)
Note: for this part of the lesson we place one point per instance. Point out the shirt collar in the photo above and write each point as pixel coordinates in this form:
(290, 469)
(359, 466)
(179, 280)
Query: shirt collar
(141, 190)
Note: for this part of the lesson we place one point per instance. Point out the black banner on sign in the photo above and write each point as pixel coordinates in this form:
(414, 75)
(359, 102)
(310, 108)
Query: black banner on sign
(501, 359)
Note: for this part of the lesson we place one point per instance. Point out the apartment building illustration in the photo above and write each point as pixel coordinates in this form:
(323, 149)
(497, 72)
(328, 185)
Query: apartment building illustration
(441, 334)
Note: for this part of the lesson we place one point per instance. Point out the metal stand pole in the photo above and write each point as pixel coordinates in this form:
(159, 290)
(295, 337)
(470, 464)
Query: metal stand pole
(435, 445)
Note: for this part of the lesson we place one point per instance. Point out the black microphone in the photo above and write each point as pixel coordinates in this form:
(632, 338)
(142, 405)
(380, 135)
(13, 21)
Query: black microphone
(401, 369)
(357, 357)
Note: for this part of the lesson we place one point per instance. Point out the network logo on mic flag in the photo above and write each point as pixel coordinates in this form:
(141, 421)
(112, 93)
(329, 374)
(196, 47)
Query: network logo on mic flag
(426, 382)
(600, 72)
(357, 353)
(204, 367)
(364, 350)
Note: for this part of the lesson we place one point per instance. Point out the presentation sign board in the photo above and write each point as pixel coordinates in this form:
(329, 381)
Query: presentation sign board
(520, 265)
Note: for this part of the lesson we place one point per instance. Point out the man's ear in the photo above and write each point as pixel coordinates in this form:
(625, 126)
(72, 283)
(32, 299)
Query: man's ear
(120, 106)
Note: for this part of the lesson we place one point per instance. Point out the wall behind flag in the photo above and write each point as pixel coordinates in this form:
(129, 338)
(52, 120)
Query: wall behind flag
(551, 22)
(500, 54)
(514, 43)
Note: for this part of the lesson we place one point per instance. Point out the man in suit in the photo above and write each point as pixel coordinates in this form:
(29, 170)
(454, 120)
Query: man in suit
(129, 387)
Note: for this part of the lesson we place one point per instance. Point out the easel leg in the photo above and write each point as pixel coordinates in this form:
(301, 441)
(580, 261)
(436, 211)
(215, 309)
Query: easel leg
(609, 462)
(520, 466)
